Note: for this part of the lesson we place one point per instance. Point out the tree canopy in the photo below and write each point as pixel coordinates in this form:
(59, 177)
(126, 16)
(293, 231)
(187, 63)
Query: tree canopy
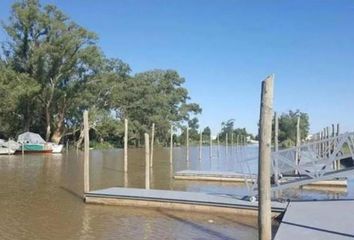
(52, 69)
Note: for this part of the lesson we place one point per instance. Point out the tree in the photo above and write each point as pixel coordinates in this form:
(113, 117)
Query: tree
(58, 54)
(287, 127)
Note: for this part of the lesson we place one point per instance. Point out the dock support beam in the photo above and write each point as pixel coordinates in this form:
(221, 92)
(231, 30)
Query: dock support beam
(147, 162)
(86, 153)
(264, 160)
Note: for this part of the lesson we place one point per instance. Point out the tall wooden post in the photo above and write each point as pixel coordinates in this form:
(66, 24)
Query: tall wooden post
(297, 154)
(338, 161)
(23, 149)
(276, 147)
(226, 143)
(200, 145)
(232, 143)
(187, 143)
(171, 145)
(125, 145)
(152, 145)
(147, 161)
(218, 148)
(211, 147)
(337, 129)
(264, 160)
(86, 153)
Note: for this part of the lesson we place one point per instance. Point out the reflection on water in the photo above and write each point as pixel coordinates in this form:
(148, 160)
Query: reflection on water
(40, 197)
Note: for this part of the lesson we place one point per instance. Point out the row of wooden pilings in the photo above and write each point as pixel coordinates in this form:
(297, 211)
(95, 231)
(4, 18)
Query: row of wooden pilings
(264, 161)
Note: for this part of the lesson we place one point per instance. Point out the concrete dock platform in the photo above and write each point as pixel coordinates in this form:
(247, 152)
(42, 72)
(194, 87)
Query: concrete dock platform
(179, 200)
(318, 220)
(225, 176)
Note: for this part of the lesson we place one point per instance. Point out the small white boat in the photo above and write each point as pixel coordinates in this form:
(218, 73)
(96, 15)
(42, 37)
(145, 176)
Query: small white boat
(7, 148)
(57, 148)
(6, 151)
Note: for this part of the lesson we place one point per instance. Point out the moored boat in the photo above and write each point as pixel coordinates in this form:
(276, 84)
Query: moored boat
(33, 143)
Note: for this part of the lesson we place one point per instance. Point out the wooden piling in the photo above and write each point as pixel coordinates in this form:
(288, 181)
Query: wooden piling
(152, 145)
(86, 153)
(171, 145)
(298, 137)
(147, 161)
(264, 160)
(125, 145)
(226, 143)
(211, 146)
(187, 143)
(218, 147)
(23, 149)
(200, 145)
(276, 148)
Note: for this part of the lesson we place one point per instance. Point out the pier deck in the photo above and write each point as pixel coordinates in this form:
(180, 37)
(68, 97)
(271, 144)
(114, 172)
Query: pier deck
(190, 201)
(322, 220)
(226, 176)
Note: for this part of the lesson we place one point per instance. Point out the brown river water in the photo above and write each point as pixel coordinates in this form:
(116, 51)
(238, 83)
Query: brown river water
(40, 198)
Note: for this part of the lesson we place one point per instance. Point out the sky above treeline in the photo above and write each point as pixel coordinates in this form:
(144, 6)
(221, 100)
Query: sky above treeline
(225, 48)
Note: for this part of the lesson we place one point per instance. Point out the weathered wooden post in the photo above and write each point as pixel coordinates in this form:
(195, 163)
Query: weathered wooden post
(200, 145)
(232, 143)
(171, 145)
(297, 153)
(264, 160)
(125, 145)
(23, 149)
(187, 143)
(86, 153)
(276, 148)
(218, 148)
(147, 162)
(8, 147)
(152, 145)
(211, 146)
(226, 143)
(67, 146)
(337, 134)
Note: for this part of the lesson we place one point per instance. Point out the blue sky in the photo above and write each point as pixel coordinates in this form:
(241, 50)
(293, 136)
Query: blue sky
(224, 49)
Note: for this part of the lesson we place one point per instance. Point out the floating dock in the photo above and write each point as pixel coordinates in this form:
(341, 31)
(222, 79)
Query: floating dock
(178, 200)
(213, 176)
(318, 220)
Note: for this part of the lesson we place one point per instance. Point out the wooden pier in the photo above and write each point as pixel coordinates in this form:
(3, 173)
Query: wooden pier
(177, 200)
(318, 220)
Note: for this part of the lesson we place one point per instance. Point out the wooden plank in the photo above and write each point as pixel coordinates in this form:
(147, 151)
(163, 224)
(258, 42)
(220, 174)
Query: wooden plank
(317, 220)
(212, 176)
(86, 153)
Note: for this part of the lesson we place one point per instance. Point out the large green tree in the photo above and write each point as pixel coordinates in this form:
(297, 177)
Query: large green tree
(58, 54)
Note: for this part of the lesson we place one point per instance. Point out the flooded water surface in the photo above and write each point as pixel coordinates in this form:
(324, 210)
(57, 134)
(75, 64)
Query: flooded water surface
(41, 197)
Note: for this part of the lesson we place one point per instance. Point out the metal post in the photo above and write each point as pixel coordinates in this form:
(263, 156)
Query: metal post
(152, 145)
(86, 153)
(218, 148)
(125, 145)
(264, 160)
(147, 162)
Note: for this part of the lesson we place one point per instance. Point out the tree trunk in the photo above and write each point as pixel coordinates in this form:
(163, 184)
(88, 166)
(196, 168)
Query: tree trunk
(59, 131)
(47, 121)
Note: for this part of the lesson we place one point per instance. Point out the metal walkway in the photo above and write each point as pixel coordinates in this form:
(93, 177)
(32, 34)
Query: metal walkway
(313, 161)
(317, 220)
